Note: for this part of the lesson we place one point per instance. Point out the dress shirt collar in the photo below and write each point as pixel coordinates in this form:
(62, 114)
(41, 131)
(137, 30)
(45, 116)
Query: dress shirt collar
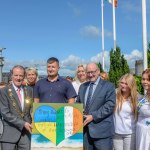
(16, 88)
(96, 82)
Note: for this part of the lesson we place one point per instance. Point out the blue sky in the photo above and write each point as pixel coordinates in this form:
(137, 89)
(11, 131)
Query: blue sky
(34, 30)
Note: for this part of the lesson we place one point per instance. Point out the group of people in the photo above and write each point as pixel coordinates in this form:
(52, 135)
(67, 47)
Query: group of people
(113, 118)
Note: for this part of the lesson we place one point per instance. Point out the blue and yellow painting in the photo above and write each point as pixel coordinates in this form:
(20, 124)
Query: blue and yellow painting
(57, 125)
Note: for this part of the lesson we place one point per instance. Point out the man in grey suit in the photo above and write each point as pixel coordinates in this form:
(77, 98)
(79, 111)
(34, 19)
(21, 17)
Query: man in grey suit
(15, 107)
(98, 97)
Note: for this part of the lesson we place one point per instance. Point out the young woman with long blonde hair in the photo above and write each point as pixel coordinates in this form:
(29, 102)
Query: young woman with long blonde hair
(125, 114)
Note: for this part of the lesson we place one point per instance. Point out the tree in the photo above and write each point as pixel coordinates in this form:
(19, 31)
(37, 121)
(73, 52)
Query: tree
(125, 67)
(139, 78)
(118, 65)
(100, 67)
(139, 85)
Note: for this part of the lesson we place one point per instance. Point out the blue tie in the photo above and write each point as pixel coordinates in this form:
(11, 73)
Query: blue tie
(89, 97)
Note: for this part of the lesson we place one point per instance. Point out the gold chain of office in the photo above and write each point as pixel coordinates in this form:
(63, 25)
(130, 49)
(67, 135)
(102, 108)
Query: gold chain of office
(28, 101)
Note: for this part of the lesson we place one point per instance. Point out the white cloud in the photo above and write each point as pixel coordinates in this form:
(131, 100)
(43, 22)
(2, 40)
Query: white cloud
(67, 72)
(69, 65)
(108, 33)
(132, 57)
(76, 11)
(39, 64)
(90, 31)
(98, 58)
(93, 32)
(72, 61)
(131, 7)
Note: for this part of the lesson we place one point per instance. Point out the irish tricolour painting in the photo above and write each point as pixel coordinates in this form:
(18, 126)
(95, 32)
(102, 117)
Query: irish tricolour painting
(57, 126)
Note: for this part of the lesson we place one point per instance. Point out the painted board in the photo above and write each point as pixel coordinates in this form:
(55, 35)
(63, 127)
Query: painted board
(57, 126)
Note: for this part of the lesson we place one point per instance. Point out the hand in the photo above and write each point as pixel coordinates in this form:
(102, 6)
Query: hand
(87, 119)
(28, 127)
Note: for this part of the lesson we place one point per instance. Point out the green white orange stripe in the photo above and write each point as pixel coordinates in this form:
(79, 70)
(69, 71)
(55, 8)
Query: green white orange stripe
(69, 121)
(57, 125)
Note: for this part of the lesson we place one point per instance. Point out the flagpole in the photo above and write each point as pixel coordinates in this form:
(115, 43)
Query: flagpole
(144, 34)
(114, 24)
(102, 9)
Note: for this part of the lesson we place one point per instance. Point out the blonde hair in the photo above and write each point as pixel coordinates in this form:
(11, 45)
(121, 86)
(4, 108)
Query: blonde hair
(81, 65)
(133, 94)
(33, 70)
(104, 76)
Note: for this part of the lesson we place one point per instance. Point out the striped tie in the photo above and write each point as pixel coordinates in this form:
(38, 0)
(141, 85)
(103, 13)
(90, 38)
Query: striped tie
(89, 97)
(19, 95)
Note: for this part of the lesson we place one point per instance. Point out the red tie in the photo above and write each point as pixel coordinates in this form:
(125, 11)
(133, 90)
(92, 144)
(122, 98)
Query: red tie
(19, 95)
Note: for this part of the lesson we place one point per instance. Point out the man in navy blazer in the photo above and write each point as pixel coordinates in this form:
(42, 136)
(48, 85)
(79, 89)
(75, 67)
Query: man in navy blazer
(98, 119)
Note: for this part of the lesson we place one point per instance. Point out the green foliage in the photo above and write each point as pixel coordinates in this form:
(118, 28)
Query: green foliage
(139, 78)
(118, 66)
(100, 67)
(139, 85)
(149, 46)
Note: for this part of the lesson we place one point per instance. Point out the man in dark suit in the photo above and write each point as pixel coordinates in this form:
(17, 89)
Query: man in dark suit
(98, 97)
(15, 108)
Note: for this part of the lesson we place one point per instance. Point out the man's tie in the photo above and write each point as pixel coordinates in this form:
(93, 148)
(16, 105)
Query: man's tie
(19, 95)
(89, 97)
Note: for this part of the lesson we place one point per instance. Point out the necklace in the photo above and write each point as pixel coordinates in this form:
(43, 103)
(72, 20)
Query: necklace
(28, 102)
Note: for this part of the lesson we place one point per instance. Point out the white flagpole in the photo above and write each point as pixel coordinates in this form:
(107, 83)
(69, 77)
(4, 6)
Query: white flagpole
(114, 24)
(144, 34)
(102, 8)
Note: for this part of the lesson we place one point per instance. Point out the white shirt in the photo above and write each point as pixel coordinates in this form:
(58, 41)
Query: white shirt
(76, 85)
(22, 95)
(124, 121)
(94, 88)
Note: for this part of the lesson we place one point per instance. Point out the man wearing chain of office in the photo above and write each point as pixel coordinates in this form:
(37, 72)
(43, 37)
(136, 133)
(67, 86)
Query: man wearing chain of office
(15, 108)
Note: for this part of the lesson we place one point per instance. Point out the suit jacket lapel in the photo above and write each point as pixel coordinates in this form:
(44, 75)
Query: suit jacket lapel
(97, 90)
(24, 108)
(16, 99)
(84, 93)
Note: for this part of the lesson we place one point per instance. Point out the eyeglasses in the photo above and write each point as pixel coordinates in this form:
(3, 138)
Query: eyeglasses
(91, 72)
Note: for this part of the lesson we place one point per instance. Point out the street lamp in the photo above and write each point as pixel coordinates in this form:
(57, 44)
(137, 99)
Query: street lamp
(1, 63)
